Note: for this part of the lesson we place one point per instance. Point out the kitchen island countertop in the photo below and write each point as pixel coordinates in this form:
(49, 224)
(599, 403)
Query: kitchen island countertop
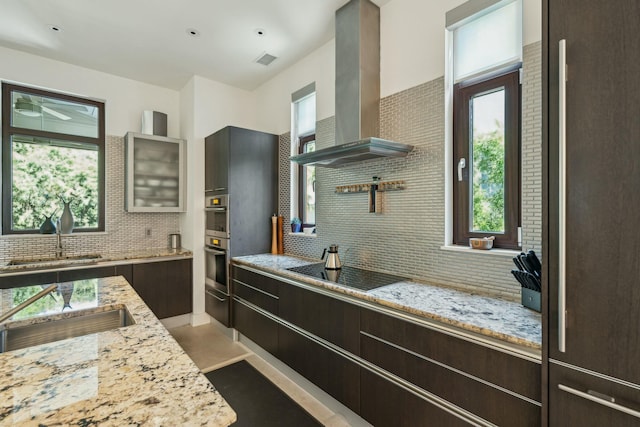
(134, 375)
(481, 314)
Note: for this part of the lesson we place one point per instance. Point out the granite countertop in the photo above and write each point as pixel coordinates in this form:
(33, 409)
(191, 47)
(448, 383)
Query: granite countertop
(134, 375)
(102, 259)
(505, 320)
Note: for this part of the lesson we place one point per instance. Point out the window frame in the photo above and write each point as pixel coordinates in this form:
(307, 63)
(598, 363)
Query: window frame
(8, 130)
(462, 94)
(302, 179)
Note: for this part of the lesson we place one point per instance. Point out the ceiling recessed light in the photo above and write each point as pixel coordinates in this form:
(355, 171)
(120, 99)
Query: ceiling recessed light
(193, 32)
(260, 32)
(55, 28)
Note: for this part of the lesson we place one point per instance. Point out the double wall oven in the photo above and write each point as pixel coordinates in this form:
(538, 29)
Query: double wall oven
(216, 248)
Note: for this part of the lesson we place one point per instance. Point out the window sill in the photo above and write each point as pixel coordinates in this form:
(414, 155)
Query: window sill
(492, 252)
(314, 235)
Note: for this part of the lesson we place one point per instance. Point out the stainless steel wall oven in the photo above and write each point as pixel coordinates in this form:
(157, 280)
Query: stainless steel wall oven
(217, 263)
(217, 216)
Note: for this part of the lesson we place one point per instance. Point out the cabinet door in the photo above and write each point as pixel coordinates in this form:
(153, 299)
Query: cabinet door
(164, 286)
(217, 163)
(156, 173)
(602, 176)
(579, 399)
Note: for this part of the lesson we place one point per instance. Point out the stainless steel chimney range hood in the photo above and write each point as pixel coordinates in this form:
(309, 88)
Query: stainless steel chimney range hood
(357, 91)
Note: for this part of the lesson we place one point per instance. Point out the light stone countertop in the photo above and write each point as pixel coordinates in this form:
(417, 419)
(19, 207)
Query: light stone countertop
(501, 319)
(135, 375)
(41, 264)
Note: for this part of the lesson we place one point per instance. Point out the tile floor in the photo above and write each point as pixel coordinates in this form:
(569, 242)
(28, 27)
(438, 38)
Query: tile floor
(210, 349)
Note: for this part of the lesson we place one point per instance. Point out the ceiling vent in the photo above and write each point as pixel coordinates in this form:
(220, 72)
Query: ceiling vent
(266, 59)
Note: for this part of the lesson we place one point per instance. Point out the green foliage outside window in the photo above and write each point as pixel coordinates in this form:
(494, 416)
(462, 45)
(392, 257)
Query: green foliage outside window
(45, 174)
(488, 181)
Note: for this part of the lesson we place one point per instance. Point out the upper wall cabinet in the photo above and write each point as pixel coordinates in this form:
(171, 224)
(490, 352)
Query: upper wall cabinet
(156, 173)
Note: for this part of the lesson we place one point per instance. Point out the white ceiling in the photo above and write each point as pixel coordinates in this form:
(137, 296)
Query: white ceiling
(147, 40)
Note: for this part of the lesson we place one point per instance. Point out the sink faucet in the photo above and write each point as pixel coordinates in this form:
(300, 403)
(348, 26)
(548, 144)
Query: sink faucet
(28, 302)
(58, 241)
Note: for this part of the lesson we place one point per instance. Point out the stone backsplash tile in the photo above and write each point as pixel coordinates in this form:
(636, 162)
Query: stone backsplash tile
(406, 238)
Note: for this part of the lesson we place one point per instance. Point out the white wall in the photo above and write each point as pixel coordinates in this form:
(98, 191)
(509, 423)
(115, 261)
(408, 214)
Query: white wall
(205, 106)
(273, 99)
(411, 53)
(125, 98)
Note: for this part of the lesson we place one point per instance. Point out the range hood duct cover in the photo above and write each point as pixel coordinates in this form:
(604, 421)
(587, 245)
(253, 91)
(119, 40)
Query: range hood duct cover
(357, 91)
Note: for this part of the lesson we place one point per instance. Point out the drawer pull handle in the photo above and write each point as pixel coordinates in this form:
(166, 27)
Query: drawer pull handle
(607, 401)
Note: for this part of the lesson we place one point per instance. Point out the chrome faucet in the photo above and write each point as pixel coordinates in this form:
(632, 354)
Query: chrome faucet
(28, 302)
(58, 241)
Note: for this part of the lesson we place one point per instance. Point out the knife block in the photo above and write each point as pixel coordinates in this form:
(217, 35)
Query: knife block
(531, 299)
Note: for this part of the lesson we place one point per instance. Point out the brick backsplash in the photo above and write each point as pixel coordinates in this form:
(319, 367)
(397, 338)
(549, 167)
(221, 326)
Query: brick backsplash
(406, 238)
(124, 231)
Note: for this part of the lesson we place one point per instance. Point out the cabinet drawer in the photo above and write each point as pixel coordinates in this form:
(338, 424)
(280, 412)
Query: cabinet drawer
(384, 404)
(327, 369)
(256, 326)
(577, 398)
(258, 281)
(328, 318)
(86, 273)
(510, 372)
(216, 304)
(471, 394)
(28, 280)
(256, 296)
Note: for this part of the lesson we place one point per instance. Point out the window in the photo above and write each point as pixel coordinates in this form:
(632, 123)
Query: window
(486, 65)
(303, 135)
(52, 150)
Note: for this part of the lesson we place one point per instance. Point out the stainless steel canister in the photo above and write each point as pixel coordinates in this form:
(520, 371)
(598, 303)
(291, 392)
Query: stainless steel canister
(174, 241)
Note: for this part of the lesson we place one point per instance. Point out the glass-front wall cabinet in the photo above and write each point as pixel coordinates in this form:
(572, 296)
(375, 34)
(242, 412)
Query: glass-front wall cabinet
(156, 173)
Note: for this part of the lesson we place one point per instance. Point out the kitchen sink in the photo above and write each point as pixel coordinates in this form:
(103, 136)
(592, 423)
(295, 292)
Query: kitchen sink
(16, 335)
(53, 262)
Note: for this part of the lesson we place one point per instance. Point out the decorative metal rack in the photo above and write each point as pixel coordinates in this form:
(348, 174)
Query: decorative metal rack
(365, 188)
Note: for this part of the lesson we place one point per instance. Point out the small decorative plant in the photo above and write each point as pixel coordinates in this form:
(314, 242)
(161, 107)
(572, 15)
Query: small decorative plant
(296, 225)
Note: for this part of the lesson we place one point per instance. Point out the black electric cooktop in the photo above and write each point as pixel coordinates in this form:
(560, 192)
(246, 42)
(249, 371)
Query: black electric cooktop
(349, 276)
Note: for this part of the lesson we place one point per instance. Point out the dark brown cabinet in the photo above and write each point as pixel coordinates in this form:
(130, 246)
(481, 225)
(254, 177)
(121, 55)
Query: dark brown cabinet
(321, 365)
(66, 276)
(96, 272)
(216, 172)
(470, 376)
(390, 370)
(593, 254)
(326, 317)
(385, 404)
(217, 304)
(258, 327)
(165, 286)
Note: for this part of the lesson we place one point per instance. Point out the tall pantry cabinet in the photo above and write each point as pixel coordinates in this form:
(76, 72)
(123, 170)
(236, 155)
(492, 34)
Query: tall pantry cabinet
(592, 165)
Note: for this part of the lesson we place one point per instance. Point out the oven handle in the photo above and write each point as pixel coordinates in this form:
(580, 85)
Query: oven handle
(215, 252)
(215, 296)
(218, 209)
